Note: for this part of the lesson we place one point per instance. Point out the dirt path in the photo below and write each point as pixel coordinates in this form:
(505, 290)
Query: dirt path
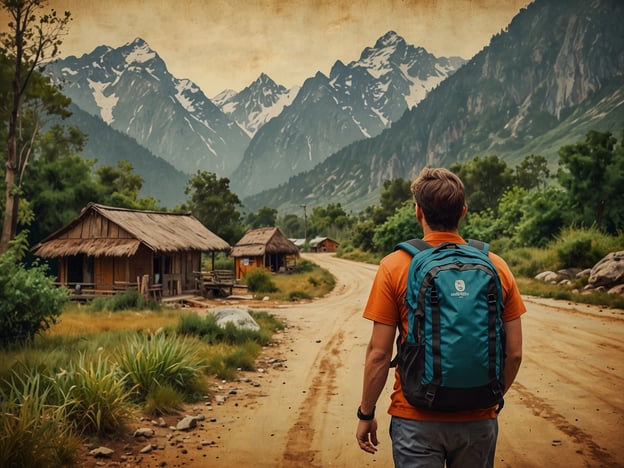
(566, 409)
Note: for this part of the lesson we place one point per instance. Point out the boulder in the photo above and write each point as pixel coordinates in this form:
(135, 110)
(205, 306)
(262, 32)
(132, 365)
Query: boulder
(238, 316)
(609, 271)
(548, 277)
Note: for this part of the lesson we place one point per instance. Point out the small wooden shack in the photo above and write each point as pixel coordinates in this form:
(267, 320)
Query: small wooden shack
(107, 249)
(264, 248)
(323, 244)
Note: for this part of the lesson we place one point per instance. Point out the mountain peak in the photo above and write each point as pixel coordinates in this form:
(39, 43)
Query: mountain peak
(391, 38)
(138, 52)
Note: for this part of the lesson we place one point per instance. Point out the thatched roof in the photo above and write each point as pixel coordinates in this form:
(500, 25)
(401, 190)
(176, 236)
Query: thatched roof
(264, 241)
(104, 230)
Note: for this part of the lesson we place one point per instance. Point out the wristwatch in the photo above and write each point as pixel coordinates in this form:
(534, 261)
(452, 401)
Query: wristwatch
(365, 417)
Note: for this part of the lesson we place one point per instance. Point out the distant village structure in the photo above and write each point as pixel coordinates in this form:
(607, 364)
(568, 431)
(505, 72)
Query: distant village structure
(264, 248)
(107, 249)
(318, 244)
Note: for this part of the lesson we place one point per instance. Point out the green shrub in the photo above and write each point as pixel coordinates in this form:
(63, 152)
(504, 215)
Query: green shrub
(155, 360)
(128, 300)
(30, 301)
(584, 247)
(33, 432)
(304, 267)
(259, 280)
(96, 396)
(297, 295)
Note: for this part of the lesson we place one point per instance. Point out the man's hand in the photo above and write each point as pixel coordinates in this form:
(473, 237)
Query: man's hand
(365, 430)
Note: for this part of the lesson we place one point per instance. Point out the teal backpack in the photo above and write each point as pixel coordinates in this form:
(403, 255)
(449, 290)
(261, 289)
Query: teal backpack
(453, 355)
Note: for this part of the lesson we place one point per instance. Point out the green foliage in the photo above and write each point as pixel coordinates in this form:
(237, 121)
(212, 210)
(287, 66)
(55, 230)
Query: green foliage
(584, 247)
(485, 180)
(128, 300)
(95, 395)
(120, 187)
(211, 202)
(592, 172)
(528, 261)
(305, 266)
(259, 280)
(399, 227)
(324, 221)
(154, 360)
(34, 433)
(266, 217)
(532, 172)
(30, 302)
(292, 225)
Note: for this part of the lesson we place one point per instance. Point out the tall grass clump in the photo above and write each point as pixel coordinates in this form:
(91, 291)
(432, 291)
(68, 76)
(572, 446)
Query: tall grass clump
(158, 360)
(96, 396)
(259, 280)
(33, 432)
(128, 300)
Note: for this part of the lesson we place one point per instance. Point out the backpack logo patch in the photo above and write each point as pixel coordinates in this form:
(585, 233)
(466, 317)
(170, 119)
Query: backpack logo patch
(460, 286)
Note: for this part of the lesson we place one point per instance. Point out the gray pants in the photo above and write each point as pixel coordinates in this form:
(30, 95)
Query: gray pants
(429, 444)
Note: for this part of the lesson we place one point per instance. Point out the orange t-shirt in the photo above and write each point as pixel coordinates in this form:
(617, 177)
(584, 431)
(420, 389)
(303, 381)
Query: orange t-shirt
(386, 304)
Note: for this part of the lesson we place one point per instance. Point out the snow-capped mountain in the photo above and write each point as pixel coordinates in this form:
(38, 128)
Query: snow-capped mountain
(256, 104)
(356, 101)
(131, 89)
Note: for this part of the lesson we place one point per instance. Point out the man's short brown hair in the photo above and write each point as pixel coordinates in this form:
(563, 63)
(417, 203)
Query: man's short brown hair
(441, 196)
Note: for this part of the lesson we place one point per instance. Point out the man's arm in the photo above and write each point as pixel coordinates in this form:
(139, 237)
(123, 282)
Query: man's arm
(513, 350)
(378, 357)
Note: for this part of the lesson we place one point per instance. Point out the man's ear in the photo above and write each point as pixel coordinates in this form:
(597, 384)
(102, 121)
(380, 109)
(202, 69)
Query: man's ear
(464, 211)
(420, 216)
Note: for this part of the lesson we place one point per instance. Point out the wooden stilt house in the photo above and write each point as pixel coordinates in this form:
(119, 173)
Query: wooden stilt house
(107, 248)
(264, 248)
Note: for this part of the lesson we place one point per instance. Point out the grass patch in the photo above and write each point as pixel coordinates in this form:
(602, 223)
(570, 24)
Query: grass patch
(536, 288)
(308, 281)
(34, 433)
(129, 300)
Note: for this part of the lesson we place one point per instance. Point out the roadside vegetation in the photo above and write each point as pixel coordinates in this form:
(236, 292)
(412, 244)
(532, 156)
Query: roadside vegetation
(93, 372)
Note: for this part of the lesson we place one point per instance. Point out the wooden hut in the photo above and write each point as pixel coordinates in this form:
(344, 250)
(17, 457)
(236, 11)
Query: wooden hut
(107, 248)
(264, 248)
(323, 244)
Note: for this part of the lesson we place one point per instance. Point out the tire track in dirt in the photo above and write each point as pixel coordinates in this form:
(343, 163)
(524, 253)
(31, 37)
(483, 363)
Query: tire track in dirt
(540, 408)
(299, 451)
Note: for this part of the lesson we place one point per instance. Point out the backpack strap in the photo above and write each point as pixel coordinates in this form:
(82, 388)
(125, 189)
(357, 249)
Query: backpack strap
(413, 246)
(477, 244)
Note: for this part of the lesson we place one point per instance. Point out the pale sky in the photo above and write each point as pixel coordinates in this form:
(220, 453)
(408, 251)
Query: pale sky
(221, 44)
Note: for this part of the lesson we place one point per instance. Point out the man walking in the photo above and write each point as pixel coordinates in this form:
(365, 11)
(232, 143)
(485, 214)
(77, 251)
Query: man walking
(422, 437)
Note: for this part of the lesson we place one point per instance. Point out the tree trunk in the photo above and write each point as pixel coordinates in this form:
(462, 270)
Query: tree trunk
(9, 227)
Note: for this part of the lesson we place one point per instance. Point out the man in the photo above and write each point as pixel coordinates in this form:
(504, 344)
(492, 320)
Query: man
(422, 437)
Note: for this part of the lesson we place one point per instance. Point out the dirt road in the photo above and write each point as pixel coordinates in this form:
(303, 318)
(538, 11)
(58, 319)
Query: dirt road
(566, 408)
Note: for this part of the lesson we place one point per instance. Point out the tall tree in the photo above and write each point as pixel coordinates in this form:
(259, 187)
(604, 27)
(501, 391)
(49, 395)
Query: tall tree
(265, 217)
(532, 172)
(592, 172)
(212, 202)
(33, 37)
(485, 180)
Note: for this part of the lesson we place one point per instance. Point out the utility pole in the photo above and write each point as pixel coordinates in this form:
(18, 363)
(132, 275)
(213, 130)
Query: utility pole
(305, 223)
